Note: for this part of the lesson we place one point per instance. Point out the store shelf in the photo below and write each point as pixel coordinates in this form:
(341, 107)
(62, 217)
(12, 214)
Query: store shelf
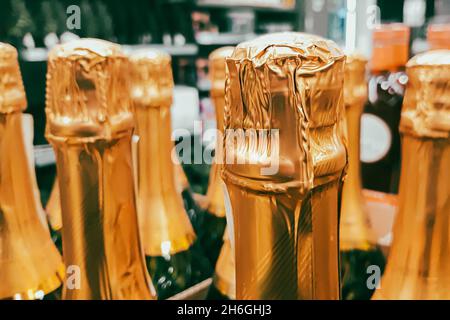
(41, 54)
(222, 39)
(272, 5)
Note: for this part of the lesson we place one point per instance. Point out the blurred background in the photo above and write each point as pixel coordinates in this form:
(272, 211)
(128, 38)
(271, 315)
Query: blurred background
(189, 30)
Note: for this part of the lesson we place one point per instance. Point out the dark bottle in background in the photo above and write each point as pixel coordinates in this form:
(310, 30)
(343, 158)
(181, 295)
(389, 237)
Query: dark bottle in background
(380, 139)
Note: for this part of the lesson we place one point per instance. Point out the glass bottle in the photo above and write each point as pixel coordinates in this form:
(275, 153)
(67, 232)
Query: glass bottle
(358, 246)
(284, 163)
(173, 258)
(224, 280)
(214, 219)
(418, 265)
(30, 265)
(380, 140)
(90, 125)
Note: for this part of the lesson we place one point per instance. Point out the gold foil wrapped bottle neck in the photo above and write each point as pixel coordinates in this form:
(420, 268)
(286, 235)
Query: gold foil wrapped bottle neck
(305, 72)
(87, 90)
(426, 108)
(164, 224)
(90, 125)
(30, 265)
(419, 264)
(284, 160)
(152, 83)
(12, 93)
(217, 71)
(355, 88)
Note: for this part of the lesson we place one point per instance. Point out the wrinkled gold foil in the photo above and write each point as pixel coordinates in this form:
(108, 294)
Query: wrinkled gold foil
(90, 125)
(286, 224)
(225, 274)
(30, 264)
(217, 69)
(419, 262)
(164, 225)
(355, 231)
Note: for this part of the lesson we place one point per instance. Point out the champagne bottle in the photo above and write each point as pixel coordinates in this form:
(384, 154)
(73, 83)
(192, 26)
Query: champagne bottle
(90, 125)
(224, 280)
(358, 245)
(380, 140)
(169, 240)
(284, 165)
(30, 265)
(214, 220)
(419, 264)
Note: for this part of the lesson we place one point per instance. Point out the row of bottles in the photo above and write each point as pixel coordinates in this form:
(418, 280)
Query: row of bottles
(125, 231)
(44, 23)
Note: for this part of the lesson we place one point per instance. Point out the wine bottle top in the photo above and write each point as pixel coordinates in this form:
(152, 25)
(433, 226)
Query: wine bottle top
(426, 107)
(87, 90)
(291, 83)
(355, 84)
(152, 80)
(438, 36)
(217, 70)
(12, 93)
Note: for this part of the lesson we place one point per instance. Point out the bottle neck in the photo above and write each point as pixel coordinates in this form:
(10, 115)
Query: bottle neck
(276, 237)
(355, 230)
(24, 235)
(216, 204)
(101, 237)
(164, 223)
(418, 265)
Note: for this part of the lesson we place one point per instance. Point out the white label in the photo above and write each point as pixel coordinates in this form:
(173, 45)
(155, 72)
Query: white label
(376, 138)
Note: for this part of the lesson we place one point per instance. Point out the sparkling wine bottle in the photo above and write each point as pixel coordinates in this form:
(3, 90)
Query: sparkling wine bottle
(30, 265)
(90, 125)
(285, 161)
(419, 262)
(173, 258)
(358, 246)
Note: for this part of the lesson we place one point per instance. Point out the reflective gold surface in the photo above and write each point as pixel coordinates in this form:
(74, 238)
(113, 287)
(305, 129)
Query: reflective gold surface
(217, 69)
(53, 207)
(419, 264)
(286, 223)
(164, 225)
(225, 273)
(90, 124)
(355, 232)
(30, 265)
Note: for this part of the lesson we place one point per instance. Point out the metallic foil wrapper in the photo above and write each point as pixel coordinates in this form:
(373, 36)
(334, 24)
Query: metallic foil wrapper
(419, 264)
(217, 69)
(355, 231)
(225, 274)
(284, 185)
(90, 125)
(164, 225)
(30, 265)
(53, 208)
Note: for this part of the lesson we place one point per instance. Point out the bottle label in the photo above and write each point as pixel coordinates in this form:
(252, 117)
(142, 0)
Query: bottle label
(376, 138)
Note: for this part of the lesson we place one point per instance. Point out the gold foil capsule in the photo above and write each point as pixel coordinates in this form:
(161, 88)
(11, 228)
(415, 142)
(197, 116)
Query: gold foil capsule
(217, 69)
(90, 125)
(419, 264)
(30, 265)
(285, 159)
(164, 224)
